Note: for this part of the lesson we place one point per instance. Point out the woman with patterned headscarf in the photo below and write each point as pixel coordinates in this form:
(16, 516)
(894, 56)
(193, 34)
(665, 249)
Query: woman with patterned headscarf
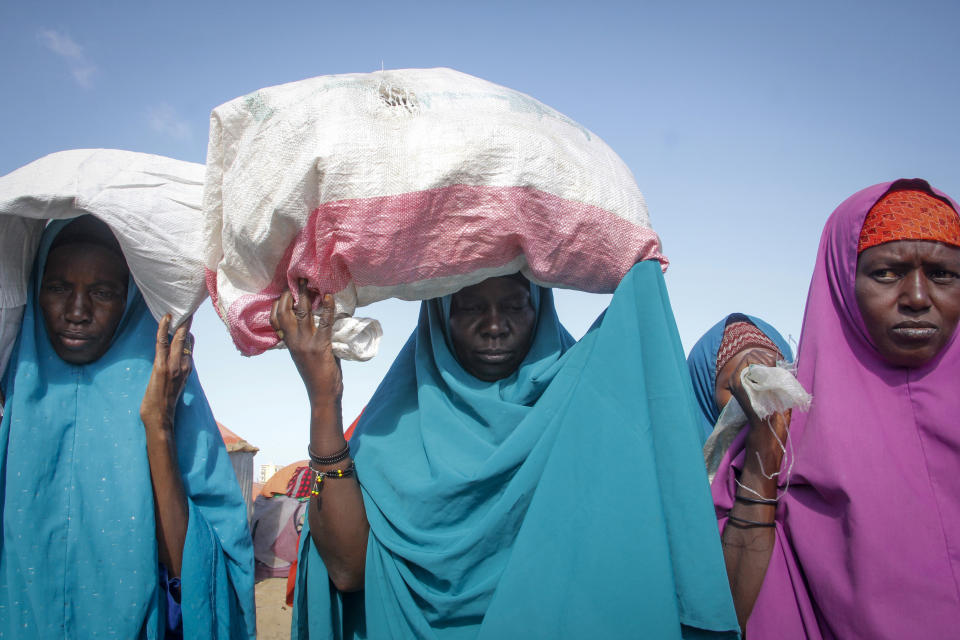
(722, 345)
(730, 345)
(860, 539)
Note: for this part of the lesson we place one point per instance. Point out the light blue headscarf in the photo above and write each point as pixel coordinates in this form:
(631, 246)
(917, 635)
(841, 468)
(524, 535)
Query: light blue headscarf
(702, 363)
(78, 556)
(568, 500)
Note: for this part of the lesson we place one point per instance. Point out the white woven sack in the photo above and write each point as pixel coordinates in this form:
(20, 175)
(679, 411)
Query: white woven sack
(151, 203)
(409, 184)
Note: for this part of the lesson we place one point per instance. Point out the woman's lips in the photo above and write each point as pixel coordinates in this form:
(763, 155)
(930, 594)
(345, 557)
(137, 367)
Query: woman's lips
(494, 356)
(74, 340)
(914, 332)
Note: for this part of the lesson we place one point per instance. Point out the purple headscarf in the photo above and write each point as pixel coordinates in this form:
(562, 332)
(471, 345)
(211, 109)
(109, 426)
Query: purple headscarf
(868, 535)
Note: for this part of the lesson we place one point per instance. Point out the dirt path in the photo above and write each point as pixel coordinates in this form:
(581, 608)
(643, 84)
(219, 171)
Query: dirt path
(273, 614)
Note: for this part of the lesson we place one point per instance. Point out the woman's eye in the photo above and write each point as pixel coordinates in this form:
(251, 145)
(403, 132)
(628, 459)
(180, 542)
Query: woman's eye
(104, 295)
(885, 275)
(468, 308)
(943, 276)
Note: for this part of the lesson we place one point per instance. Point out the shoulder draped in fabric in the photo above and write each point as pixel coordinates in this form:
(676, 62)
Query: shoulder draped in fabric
(78, 556)
(869, 531)
(568, 499)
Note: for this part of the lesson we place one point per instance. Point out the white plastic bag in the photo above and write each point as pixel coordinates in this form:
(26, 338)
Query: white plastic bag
(19, 238)
(770, 390)
(409, 184)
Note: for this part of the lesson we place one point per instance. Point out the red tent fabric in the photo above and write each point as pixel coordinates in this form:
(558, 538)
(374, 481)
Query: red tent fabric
(349, 432)
(277, 483)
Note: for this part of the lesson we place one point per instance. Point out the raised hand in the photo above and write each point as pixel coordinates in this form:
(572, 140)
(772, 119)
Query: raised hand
(765, 441)
(338, 521)
(747, 549)
(171, 368)
(309, 343)
(753, 355)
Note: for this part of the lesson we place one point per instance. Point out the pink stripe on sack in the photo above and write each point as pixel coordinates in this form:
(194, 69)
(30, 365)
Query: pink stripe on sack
(210, 277)
(450, 231)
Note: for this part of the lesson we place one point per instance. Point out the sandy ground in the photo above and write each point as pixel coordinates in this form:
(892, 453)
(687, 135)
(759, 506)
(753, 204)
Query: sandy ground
(273, 614)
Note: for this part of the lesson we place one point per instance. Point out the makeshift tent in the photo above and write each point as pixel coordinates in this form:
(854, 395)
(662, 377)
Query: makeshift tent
(277, 483)
(241, 456)
(277, 520)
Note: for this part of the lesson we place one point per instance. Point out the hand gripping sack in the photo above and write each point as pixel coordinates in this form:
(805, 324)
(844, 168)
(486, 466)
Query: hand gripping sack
(151, 203)
(409, 184)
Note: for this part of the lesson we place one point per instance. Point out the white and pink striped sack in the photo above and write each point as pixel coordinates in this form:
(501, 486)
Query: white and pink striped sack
(406, 184)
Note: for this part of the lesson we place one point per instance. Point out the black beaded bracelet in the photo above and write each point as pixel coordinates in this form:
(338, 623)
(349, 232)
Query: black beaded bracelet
(343, 454)
(748, 500)
(318, 477)
(748, 524)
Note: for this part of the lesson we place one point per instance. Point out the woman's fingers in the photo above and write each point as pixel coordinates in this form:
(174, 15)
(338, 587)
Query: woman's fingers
(186, 361)
(757, 355)
(171, 367)
(274, 322)
(304, 305)
(186, 346)
(327, 313)
(163, 339)
(286, 321)
(294, 321)
(179, 347)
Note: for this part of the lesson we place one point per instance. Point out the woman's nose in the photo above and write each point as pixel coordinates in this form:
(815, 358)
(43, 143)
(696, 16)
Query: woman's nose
(494, 325)
(78, 307)
(915, 295)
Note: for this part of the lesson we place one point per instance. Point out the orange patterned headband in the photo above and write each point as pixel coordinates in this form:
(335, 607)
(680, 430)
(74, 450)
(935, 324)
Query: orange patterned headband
(910, 215)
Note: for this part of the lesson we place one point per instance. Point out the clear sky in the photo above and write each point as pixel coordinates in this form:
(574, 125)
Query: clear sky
(744, 123)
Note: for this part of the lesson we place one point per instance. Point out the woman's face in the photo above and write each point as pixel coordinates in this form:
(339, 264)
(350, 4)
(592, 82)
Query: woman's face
(908, 292)
(491, 326)
(82, 296)
(724, 379)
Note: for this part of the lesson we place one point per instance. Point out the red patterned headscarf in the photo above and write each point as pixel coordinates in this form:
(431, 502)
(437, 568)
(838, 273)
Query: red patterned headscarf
(741, 335)
(909, 215)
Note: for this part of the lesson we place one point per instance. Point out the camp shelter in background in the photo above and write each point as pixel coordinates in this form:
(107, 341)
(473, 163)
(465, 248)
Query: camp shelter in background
(278, 513)
(279, 509)
(241, 457)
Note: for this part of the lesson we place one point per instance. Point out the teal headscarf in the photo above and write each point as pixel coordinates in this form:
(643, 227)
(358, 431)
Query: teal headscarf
(702, 363)
(566, 500)
(78, 556)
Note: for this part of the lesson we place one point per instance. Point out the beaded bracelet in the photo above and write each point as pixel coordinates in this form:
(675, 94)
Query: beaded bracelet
(747, 524)
(748, 500)
(318, 477)
(343, 454)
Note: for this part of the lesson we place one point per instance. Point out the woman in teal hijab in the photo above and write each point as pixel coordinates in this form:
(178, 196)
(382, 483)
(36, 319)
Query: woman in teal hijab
(506, 482)
(105, 532)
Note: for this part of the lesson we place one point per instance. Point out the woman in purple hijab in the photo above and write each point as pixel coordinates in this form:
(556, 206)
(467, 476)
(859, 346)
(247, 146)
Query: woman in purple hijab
(859, 534)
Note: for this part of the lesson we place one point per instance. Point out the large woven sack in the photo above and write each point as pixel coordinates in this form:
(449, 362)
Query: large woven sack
(151, 203)
(409, 184)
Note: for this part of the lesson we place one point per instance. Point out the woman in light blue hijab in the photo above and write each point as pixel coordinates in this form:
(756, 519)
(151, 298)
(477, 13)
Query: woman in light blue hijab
(562, 496)
(79, 553)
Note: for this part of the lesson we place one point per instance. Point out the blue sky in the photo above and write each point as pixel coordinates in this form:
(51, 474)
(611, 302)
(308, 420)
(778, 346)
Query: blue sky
(745, 124)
